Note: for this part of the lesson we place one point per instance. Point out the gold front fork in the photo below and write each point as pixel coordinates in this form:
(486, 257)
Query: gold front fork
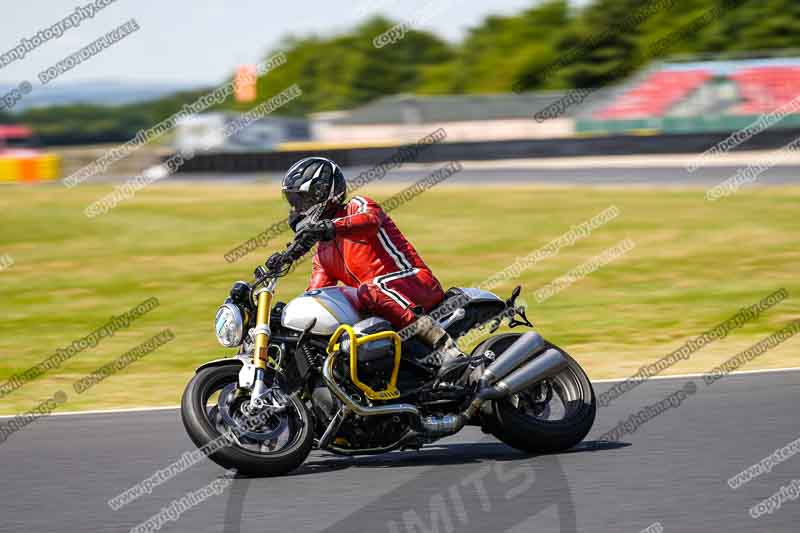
(261, 341)
(262, 332)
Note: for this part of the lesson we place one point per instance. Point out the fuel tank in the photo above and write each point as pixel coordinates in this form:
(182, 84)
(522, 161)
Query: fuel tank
(331, 306)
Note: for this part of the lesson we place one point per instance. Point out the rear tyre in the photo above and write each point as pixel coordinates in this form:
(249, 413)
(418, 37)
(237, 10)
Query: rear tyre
(526, 420)
(202, 423)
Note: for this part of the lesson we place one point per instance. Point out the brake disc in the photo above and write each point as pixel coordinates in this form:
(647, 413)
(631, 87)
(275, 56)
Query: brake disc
(541, 397)
(254, 426)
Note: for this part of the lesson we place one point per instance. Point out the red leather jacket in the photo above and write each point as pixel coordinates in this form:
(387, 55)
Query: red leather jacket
(367, 244)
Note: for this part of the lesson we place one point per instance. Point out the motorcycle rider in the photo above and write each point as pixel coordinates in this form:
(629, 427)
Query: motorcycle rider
(360, 246)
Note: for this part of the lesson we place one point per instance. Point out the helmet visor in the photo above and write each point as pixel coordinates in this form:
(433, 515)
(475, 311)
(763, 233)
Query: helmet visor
(299, 201)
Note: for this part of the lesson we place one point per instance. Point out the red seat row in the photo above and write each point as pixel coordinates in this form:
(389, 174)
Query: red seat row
(655, 95)
(764, 89)
(761, 90)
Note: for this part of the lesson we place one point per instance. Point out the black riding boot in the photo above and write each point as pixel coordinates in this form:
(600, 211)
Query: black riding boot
(446, 356)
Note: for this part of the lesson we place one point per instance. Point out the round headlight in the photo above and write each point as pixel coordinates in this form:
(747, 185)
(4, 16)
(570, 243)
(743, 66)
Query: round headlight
(229, 326)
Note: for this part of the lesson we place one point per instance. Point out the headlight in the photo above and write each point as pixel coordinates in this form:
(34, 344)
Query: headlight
(229, 326)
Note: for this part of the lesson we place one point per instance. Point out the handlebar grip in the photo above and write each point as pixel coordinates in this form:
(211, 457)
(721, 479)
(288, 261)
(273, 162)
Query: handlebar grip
(275, 261)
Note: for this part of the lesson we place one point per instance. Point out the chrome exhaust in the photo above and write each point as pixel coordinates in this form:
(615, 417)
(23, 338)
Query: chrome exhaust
(519, 353)
(430, 426)
(357, 408)
(549, 364)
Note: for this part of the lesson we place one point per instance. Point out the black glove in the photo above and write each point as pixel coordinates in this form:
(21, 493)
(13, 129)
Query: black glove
(275, 262)
(324, 230)
(299, 248)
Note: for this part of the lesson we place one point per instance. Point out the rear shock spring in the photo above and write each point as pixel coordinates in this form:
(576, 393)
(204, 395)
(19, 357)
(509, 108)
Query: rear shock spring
(310, 355)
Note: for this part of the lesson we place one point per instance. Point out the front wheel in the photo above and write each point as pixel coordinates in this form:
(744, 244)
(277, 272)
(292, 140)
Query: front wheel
(552, 416)
(215, 414)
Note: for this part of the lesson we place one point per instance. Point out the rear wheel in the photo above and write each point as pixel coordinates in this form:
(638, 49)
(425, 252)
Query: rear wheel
(552, 416)
(273, 441)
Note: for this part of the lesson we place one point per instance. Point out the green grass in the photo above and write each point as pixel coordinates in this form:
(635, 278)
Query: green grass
(694, 265)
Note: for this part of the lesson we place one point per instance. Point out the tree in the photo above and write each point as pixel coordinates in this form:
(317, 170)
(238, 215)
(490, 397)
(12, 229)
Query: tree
(548, 46)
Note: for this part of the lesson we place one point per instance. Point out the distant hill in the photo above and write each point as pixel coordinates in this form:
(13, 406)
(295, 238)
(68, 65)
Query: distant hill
(96, 92)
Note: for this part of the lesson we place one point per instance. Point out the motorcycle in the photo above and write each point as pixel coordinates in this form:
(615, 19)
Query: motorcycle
(315, 373)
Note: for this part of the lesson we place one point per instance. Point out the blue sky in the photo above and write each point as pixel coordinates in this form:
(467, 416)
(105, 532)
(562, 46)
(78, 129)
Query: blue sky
(201, 41)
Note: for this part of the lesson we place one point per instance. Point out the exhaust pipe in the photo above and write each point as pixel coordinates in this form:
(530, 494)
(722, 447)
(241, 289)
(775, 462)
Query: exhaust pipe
(549, 364)
(357, 408)
(431, 426)
(519, 353)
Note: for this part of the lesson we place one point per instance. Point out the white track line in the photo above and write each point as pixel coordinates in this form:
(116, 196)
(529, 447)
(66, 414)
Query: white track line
(613, 380)
(108, 411)
(684, 376)
(675, 161)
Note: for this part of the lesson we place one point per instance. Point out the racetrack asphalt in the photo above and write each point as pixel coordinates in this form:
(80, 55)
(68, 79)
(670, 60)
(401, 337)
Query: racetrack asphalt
(59, 473)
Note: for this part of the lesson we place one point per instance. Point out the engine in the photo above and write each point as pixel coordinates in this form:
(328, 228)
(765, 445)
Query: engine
(375, 366)
(375, 359)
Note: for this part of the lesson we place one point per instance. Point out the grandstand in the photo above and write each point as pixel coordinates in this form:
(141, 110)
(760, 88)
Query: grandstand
(699, 96)
(659, 92)
(681, 96)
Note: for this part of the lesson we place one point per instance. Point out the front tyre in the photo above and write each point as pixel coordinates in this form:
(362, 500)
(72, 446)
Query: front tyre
(552, 416)
(291, 431)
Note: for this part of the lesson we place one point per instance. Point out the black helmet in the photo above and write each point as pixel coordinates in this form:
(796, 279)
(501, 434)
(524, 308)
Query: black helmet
(315, 188)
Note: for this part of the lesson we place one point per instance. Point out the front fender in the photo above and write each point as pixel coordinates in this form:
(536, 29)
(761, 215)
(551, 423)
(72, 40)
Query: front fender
(238, 360)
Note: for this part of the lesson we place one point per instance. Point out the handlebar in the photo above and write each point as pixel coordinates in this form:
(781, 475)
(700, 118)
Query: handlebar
(278, 264)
